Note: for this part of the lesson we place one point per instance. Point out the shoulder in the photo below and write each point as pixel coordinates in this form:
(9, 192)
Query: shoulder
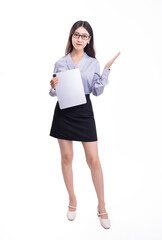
(92, 60)
(61, 64)
(61, 60)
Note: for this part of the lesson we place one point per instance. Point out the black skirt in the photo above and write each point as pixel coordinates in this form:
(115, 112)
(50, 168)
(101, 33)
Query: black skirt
(75, 123)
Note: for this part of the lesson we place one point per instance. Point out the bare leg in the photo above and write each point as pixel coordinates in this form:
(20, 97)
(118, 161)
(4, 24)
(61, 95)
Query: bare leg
(66, 149)
(91, 152)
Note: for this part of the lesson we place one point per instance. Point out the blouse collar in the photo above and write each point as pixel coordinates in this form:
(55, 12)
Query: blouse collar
(70, 62)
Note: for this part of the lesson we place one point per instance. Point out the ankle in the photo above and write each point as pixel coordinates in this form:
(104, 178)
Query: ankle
(73, 201)
(101, 204)
(101, 208)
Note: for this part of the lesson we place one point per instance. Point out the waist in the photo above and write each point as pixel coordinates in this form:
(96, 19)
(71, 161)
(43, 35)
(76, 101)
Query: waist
(87, 95)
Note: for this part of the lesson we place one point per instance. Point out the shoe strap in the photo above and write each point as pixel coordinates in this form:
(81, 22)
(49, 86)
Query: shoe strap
(100, 214)
(71, 206)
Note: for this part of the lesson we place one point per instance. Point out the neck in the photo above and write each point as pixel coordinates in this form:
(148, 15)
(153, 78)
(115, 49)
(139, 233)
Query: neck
(77, 53)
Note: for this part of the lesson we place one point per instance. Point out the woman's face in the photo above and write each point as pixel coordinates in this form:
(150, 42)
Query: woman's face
(81, 42)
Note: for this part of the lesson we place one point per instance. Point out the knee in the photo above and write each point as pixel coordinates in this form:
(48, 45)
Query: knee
(93, 162)
(67, 158)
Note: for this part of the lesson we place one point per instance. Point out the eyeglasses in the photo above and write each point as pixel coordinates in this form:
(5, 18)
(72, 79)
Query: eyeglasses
(84, 36)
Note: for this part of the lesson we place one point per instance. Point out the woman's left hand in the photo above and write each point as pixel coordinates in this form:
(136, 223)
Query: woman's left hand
(108, 65)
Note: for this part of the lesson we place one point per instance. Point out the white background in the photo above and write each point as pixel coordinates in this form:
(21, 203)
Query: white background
(33, 197)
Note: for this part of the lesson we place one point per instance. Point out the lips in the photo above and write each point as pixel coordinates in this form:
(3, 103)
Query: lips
(78, 44)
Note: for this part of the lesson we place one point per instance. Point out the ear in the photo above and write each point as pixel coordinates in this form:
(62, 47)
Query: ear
(89, 40)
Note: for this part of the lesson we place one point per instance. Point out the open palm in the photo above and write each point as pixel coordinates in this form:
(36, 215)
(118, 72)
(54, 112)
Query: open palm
(108, 65)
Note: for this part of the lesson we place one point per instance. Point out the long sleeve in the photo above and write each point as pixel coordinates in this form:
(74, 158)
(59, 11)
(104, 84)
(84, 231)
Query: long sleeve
(52, 91)
(99, 81)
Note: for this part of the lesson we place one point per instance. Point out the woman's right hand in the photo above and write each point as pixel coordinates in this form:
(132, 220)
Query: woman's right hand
(54, 81)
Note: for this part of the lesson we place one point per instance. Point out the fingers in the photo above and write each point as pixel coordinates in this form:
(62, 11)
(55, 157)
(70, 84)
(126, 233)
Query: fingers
(54, 81)
(116, 56)
(108, 65)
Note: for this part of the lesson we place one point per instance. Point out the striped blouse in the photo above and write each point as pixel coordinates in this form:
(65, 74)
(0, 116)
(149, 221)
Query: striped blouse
(93, 81)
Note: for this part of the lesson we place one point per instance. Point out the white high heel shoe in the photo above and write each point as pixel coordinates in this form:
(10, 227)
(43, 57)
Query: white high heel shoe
(71, 214)
(104, 222)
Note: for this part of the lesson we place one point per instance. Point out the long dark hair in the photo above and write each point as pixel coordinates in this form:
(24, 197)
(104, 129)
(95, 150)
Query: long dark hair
(89, 49)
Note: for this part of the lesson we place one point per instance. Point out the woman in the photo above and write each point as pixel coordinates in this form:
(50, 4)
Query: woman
(77, 123)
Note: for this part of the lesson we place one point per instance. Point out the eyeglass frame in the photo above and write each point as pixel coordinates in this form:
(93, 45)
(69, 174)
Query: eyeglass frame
(80, 35)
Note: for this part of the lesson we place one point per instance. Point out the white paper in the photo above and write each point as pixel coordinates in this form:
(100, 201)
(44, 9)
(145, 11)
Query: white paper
(70, 90)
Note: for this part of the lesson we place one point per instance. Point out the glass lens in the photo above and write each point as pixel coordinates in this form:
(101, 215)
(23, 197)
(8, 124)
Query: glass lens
(84, 36)
(76, 35)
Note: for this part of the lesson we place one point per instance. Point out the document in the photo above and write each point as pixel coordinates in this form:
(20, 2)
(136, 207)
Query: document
(70, 90)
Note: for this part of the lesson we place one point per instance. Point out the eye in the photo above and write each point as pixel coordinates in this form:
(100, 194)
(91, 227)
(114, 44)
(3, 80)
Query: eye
(85, 36)
(76, 34)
